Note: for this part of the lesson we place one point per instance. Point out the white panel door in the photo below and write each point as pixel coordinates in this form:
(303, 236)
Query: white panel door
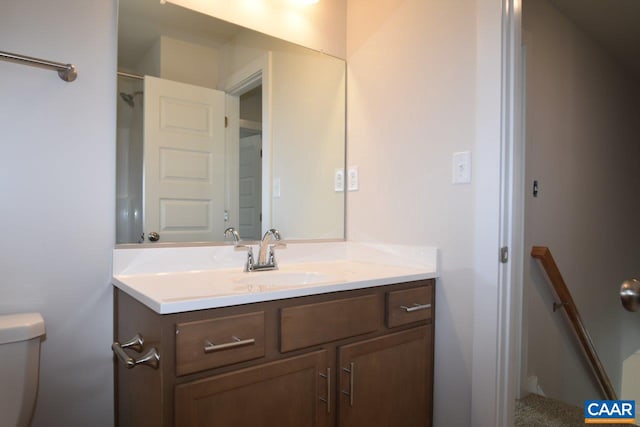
(183, 161)
(250, 225)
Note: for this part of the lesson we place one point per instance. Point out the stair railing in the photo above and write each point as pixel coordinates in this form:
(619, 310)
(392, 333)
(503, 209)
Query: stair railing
(543, 254)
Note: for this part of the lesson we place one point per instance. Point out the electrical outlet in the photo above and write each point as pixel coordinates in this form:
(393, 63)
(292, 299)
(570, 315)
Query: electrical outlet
(461, 167)
(352, 179)
(338, 180)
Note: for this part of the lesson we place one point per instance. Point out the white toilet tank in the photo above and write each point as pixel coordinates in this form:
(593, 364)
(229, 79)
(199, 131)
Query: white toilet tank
(20, 336)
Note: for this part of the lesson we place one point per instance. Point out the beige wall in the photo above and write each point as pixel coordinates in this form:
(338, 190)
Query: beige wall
(582, 146)
(320, 26)
(188, 62)
(411, 105)
(307, 133)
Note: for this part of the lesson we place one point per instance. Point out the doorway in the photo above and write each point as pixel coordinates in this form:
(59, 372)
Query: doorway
(250, 165)
(582, 122)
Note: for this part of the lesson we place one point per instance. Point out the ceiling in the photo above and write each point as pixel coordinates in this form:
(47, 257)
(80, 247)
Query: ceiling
(615, 24)
(142, 22)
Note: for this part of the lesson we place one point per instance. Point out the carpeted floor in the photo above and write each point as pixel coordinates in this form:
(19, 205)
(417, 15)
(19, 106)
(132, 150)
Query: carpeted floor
(538, 411)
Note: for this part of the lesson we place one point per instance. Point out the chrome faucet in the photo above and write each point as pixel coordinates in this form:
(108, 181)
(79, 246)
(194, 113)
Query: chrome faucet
(232, 232)
(266, 254)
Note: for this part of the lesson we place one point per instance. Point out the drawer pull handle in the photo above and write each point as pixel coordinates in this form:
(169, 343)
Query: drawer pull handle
(150, 358)
(351, 370)
(210, 347)
(327, 400)
(415, 307)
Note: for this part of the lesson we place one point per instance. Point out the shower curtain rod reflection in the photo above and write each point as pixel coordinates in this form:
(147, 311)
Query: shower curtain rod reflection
(130, 75)
(66, 72)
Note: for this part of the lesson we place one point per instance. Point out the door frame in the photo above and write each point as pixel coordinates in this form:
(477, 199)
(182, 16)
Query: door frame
(246, 78)
(498, 214)
(512, 198)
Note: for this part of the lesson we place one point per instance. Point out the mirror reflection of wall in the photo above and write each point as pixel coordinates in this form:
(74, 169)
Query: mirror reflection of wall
(295, 147)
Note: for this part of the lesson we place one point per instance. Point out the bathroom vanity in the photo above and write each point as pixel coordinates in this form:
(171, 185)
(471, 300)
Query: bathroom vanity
(360, 355)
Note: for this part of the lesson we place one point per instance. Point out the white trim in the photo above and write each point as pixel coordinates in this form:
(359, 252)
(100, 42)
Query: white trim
(486, 265)
(511, 218)
(249, 77)
(232, 160)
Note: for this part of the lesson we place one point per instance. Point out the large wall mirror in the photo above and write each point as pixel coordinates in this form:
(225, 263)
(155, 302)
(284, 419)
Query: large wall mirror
(220, 126)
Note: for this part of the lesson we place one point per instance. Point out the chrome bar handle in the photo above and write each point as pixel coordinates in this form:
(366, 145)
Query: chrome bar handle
(327, 400)
(351, 371)
(210, 347)
(151, 358)
(415, 307)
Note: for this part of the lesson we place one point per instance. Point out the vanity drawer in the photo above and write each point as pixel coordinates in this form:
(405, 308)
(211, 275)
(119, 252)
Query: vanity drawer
(207, 344)
(311, 324)
(409, 305)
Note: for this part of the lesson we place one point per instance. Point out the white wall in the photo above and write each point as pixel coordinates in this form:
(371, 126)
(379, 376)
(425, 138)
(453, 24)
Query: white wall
(57, 180)
(582, 147)
(411, 104)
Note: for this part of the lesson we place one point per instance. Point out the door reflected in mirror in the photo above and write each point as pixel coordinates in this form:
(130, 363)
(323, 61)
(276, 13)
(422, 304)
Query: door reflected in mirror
(228, 128)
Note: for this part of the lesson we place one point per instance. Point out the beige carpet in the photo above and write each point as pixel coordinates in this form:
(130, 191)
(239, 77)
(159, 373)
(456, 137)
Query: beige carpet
(538, 411)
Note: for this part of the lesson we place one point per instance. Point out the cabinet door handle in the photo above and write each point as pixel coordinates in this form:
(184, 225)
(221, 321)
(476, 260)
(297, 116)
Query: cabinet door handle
(351, 371)
(415, 307)
(327, 400)
(210, 347)
(150, 358)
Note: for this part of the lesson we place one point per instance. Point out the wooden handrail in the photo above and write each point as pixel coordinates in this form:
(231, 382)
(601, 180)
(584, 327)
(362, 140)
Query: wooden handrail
(543, 254)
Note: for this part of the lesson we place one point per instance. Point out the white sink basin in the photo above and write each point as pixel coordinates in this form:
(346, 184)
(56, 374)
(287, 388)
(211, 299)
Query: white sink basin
(259, 281)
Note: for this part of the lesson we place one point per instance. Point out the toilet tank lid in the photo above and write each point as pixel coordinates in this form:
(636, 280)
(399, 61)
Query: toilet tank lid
(20, 327)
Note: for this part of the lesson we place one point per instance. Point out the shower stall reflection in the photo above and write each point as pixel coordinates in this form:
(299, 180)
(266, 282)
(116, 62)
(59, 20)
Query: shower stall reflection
(129, 152)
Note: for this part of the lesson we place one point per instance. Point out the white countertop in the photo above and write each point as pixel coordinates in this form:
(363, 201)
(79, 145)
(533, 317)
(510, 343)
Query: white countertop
(172, 280)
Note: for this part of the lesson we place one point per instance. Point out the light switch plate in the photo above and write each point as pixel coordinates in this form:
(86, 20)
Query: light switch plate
(338, 180)
(461, 167)
(352, 179)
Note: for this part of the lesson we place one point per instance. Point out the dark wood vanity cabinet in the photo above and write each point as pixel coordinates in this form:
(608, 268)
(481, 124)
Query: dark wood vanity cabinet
(352, 358)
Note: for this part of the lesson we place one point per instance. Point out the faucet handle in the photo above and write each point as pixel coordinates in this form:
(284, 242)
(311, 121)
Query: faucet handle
(250, 261)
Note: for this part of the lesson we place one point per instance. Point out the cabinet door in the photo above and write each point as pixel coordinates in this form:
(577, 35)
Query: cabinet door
(387, 381)
(286, 393)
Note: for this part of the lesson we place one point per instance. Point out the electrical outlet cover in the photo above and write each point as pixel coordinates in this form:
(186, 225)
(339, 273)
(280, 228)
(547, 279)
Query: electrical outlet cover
(352, 179)
(338, 180)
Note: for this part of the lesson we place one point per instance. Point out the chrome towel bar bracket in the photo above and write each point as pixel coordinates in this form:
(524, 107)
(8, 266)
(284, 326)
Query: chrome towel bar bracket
(66, 72)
